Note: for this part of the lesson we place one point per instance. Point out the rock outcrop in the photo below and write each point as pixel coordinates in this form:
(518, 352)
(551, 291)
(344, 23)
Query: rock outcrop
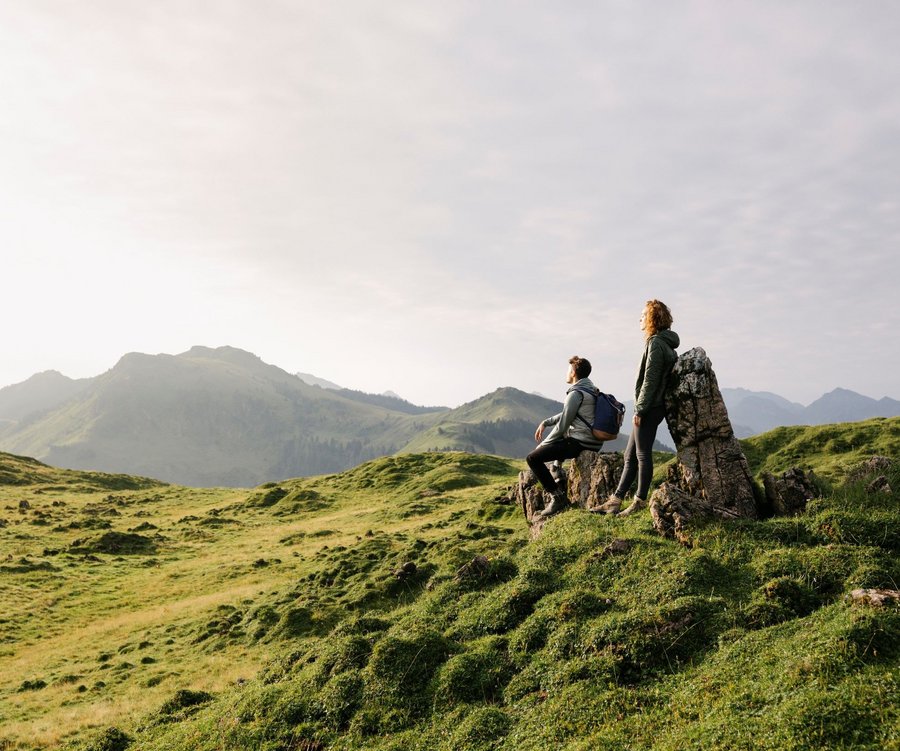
(879, 485)
(530, 497)
(593, 476)
(590, 479)
(789, 492)
(671, 509)
(871, 466)
(876, 598)
(877, 466)
(712, 476)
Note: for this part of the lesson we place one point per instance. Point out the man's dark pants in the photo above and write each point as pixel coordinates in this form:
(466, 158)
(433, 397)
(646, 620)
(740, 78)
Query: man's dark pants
(566, 448)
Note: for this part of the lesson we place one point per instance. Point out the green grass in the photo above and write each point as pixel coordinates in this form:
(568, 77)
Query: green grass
(828, 450)
(337, 613)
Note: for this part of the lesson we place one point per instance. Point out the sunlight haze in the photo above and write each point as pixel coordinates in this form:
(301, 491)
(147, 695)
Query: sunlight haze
(439, 199)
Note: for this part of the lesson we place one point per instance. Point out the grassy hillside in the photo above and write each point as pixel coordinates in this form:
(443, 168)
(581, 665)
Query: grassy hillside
(501, 423)
(400, 605)
(828, 450)
(116, 592)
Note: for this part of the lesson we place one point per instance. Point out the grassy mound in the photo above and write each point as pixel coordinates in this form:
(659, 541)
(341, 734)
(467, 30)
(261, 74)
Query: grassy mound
(24, 471)
(598, 635)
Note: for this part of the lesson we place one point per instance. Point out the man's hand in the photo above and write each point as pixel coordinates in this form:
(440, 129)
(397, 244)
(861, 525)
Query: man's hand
(637, 421)
(539, 432)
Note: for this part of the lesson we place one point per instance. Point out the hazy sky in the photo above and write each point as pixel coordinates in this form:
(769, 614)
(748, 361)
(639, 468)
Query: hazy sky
(441, 198)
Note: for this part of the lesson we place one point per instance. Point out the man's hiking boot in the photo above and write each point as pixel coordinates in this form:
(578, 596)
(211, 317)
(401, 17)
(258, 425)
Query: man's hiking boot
(612, 505)
(558, 502)
(636, 505)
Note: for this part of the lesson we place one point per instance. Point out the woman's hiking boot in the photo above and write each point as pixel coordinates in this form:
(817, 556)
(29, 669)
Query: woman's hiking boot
(611, 506)
(636, 505)
(558, 502)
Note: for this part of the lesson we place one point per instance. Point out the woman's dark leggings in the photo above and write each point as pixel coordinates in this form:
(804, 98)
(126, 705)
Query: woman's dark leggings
(567, 448)
(639, 454)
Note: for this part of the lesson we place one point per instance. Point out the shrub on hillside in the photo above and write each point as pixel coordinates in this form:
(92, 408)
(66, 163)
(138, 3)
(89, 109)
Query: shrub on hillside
(182, 705)
(111, 739)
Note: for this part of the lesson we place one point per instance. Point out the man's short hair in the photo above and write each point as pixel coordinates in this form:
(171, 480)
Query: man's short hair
(581, 366)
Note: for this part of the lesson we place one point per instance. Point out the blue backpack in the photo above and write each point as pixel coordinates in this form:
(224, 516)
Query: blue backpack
(608, 415)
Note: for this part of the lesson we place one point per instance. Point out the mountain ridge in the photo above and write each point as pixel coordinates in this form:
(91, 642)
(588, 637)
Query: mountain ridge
(223, 416)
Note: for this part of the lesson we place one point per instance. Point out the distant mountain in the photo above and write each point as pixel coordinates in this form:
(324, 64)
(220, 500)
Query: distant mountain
(842, 405)
(390, 401)
(754, 412)
(224, 417)
(320, 382)
(502, 422)
(40, 393)
(209, 417)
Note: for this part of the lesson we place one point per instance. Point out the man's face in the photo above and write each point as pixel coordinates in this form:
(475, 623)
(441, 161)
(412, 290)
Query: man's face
(571, 377)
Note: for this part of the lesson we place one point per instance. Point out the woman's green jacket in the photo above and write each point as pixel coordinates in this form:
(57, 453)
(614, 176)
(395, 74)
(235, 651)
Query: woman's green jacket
(656, 364)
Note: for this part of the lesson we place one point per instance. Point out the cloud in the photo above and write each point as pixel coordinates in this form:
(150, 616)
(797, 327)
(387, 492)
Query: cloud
(487, 186)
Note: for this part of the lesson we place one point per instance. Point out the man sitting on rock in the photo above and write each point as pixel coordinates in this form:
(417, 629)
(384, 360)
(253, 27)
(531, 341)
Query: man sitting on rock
(569, 436)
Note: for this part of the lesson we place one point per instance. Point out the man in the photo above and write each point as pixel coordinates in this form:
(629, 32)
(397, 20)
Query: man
(571, 433)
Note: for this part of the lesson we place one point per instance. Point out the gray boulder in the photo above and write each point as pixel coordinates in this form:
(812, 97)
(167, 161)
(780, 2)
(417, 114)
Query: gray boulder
(528, 494)
(712, 476)
(789, 492)
(593, 476)
(876, 598)
(590, 479)
(871, 466)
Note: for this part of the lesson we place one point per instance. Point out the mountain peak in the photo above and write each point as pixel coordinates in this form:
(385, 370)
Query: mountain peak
(40, 392)
(224, 354)
(842, 392)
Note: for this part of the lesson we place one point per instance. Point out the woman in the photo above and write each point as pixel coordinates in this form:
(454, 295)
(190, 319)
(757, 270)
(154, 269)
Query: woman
(649, 409)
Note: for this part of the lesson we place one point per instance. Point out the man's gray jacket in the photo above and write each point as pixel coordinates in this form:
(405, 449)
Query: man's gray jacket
(576, 418)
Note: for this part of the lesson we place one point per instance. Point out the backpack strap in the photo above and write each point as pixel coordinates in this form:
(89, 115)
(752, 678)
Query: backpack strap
(583, 390)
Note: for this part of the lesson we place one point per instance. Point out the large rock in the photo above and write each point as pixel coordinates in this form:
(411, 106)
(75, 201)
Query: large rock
(593, 476)
(711, 477)
(590, 479)
(871, 466)
(529, 495)
(711, 464)
(789, 492)
(672, 509)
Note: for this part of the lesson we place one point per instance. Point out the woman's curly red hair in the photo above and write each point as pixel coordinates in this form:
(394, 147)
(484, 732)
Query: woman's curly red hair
(657, 317)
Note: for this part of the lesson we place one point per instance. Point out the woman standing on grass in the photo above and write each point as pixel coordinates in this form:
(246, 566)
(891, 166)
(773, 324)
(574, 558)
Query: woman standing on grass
(649, 409)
